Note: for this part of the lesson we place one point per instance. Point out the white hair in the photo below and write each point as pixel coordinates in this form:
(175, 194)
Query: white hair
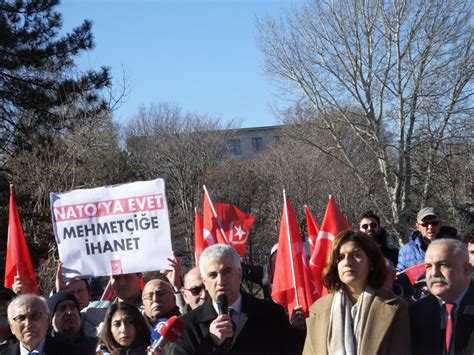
(456, 247)
(30, 298)
(216, 253)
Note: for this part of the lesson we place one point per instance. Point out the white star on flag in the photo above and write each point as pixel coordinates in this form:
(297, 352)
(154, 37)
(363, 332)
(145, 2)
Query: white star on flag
(240, 232)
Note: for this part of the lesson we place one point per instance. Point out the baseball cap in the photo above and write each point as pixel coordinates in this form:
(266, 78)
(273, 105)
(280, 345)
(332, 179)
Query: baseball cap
(427, 211)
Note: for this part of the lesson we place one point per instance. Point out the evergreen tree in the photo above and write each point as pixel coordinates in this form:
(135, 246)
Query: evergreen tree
(40, 90)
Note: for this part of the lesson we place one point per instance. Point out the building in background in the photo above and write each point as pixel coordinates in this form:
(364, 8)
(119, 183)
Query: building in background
(246, 142)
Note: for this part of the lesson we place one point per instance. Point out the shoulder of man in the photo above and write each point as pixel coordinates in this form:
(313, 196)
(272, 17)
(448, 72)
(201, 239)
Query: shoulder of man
(253, 305)
(13, 348)
(92, 319)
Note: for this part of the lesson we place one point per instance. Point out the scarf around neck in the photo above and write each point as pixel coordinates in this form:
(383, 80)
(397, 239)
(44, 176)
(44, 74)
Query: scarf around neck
(347, 322)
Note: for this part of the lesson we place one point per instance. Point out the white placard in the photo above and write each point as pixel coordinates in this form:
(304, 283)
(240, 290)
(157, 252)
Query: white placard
(113, 229)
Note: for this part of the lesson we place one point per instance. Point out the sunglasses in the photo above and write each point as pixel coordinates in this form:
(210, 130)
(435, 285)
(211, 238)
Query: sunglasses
(432, 224)
(371, 225)
(195, 291)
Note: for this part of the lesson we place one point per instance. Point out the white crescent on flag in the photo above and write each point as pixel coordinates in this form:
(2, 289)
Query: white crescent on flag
(208, 237)
(321, 235)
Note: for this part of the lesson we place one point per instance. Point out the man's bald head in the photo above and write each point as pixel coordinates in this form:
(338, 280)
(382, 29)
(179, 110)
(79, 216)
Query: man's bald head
(194, 292)
(158, 299)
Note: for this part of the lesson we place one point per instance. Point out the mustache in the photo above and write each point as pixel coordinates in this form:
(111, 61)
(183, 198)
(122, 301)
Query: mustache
(438, 279)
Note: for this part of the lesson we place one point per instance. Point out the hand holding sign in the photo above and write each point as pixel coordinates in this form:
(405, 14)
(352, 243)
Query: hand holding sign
(113, 229)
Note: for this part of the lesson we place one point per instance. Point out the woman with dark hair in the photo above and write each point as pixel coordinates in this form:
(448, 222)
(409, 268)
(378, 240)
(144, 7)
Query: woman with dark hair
(124, 332)
(358, 316)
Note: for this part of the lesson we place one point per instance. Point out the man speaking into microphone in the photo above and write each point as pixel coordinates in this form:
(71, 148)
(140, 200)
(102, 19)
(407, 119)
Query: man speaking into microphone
(232, 321)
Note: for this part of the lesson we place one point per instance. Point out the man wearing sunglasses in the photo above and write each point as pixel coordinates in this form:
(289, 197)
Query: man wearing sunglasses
(194, 293)
(370, 224)
(428, 228)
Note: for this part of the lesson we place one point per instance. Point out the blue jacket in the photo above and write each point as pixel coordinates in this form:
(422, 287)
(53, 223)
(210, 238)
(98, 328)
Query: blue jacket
(413, 252)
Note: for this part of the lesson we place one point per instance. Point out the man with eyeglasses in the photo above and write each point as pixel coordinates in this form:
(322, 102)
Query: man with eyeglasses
(428, 228)
(28, 317)
(194, 293)
(370, 224)
(79, 287)
(158, 301)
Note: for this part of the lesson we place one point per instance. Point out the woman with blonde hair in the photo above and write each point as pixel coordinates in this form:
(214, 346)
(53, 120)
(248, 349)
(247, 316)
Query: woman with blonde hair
(358, 316)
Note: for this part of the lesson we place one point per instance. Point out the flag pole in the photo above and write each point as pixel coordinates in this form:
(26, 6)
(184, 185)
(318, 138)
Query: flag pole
(219, 224)
(291, 250)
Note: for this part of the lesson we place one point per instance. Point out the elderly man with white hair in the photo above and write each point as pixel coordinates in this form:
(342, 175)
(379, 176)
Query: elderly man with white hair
(443, 323)
(28, 317)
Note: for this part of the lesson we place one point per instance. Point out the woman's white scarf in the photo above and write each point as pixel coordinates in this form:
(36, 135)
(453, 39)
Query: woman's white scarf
(347, 322)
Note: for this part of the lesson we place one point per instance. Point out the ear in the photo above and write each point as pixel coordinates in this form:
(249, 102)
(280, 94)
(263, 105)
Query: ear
(418, 227)
(467, 268)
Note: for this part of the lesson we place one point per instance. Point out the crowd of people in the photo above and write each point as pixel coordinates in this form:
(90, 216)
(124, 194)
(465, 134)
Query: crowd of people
(370, 308)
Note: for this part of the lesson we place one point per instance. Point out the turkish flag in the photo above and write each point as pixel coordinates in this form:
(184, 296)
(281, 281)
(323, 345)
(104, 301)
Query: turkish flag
(109, 292)
(313, 229)
(224, 223)
(414, 272)
(333, 223)
(199, 243)
(292, 284)
(18, 257)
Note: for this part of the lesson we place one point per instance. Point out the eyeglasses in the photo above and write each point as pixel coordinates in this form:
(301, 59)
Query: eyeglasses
(157, 294)
(371, 225)
(432, 224)
(32, 317)
(195, 291)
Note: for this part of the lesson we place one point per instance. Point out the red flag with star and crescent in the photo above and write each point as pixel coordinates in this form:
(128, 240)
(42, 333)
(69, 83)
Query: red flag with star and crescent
(226, 224)
(292, 284)
(333, 223)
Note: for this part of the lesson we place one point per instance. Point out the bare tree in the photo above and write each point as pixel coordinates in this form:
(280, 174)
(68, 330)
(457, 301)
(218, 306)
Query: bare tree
(396, 75)
(181, 148)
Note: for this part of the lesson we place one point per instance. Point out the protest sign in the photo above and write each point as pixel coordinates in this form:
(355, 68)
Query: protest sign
(113, 229)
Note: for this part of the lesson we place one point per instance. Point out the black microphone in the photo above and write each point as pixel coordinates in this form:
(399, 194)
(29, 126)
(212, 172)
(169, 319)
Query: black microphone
(222, 304)
(223, 308)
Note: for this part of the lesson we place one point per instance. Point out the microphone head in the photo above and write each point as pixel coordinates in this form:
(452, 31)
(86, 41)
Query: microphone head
(155, 333)
(222, 304)
(173, 329)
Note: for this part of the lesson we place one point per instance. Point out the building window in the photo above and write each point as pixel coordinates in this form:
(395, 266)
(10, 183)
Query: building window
(257, 144)
(234, 145)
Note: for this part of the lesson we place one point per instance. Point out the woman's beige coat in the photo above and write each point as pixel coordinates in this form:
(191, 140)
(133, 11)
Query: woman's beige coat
(387, 330)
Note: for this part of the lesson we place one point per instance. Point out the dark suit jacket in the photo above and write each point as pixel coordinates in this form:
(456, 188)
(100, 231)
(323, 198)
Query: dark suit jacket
(14, 349)
(427, 335)
(85, 346)
(263, 329)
